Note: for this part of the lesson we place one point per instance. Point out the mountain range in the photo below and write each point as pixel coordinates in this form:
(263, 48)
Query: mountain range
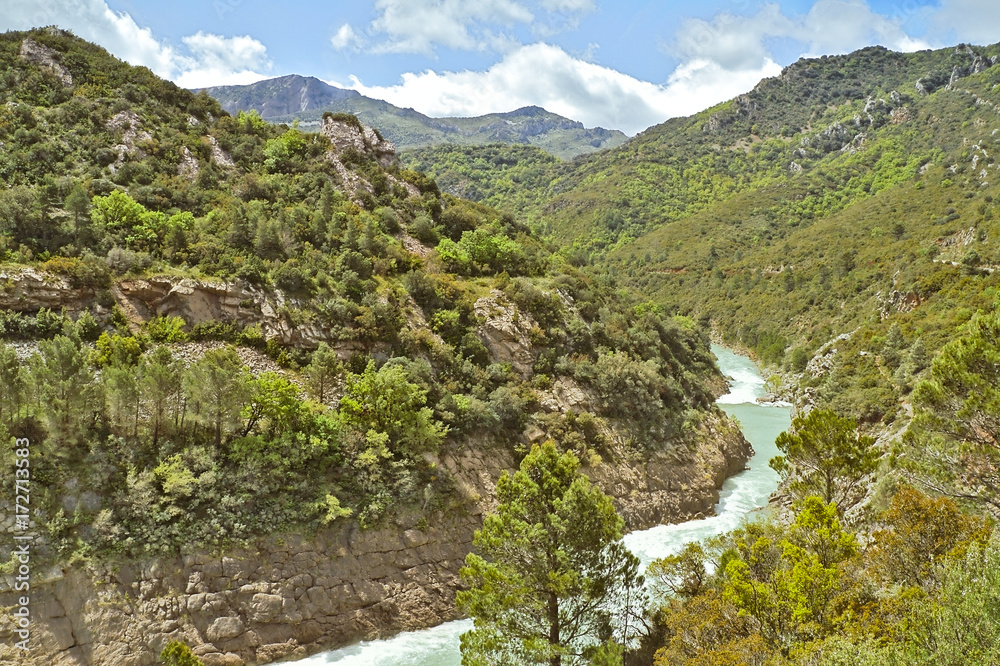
(289, 98)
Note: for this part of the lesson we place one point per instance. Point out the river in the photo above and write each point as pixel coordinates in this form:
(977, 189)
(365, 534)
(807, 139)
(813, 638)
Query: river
(741, 494)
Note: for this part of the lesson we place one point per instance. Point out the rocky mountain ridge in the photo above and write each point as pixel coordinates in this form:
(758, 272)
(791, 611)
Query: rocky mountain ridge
(289, 98)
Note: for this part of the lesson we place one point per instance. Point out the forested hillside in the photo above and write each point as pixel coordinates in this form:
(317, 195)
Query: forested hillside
(847, 195)
(382, 320)
(838, 221)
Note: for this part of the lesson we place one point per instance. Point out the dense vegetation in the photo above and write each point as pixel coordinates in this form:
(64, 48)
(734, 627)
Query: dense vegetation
(912, 580)
(839, 221)
(837, 198)
(145, 446)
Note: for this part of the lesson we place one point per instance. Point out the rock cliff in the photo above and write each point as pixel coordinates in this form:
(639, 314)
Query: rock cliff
(288, 596)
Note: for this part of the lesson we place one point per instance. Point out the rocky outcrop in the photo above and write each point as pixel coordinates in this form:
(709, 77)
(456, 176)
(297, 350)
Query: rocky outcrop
(29, 290)
(289, 597)
(128, 123)
(676, 485)
(344, 134)
(47, 59)
(505, 331)
(188, 167)
(350, 135)
(202, 301)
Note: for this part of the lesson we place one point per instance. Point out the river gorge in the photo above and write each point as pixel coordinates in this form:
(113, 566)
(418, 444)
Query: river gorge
(742, 495)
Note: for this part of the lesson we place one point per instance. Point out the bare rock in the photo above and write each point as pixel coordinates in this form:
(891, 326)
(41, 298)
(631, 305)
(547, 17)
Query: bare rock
(505, 331)
(265, 607)
(46, 58)
(564, 396)
(127, 122)
(224, 628)
(219, 156)
(344, 135)
(188, 167)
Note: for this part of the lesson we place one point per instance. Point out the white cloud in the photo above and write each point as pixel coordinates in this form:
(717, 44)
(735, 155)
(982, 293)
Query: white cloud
(218, 60)
(830, 27)
(840, 26)
(346, 39)
(545, 75)
(417, 26)
(210, 59)
(93, 20)
(569, 5)
(972, 21)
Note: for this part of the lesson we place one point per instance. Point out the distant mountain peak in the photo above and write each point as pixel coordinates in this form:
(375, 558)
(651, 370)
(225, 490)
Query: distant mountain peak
(305, 98)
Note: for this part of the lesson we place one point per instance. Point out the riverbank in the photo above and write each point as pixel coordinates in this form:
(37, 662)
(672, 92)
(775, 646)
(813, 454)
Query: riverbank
(741, 496)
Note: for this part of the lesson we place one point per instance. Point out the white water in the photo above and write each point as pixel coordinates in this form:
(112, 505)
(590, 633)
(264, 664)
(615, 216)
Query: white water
(741, 494)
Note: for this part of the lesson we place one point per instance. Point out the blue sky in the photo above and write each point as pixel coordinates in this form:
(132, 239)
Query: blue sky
(623, 65)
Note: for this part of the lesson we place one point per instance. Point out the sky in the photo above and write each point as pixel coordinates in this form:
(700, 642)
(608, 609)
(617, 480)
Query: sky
(620, 65)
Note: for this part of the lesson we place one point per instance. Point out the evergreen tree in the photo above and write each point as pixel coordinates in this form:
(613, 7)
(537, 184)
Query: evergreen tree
(323, 371)
(78, 203)
(825, 455)
(552, 581)
(160, 379)
(65, 386)
(218, 385)
(12, 384)
(954, 433)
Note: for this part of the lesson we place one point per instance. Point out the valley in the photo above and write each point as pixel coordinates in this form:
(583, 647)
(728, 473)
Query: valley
(278, 379)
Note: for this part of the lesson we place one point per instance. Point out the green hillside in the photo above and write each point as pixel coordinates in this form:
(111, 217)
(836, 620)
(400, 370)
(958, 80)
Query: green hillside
(839, 221)
(828, 198)
(363, 290)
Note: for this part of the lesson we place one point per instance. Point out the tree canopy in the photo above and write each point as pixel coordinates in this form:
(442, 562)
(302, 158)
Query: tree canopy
(552, 582)
(825, 455)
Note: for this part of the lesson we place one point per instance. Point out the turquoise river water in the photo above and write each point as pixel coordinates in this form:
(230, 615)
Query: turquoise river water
(741, 494)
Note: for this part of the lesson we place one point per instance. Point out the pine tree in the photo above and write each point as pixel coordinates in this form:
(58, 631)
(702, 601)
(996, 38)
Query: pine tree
(218, 385)
(825, 455)
(323, 371)
(65, 386)
(12, 384)
(552, 581)
(160, 381)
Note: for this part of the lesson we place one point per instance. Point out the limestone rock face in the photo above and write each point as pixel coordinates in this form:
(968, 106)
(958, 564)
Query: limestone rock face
(128, 123)
(286, 599)
(28, 289)
(46, 58)
(504, 331)
(344, 135)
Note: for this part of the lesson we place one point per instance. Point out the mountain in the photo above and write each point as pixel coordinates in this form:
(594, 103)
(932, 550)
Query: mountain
(293, 97)
(848, 194)
(264, 381)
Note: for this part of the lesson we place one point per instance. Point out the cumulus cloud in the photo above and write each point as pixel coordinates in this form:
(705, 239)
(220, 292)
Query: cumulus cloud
(829, 27)
(973, 21)
(217, 60)
(346, 39)
(569, 5)
(95, 21)
(417, 26)
(545, 75)
(208, 59)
